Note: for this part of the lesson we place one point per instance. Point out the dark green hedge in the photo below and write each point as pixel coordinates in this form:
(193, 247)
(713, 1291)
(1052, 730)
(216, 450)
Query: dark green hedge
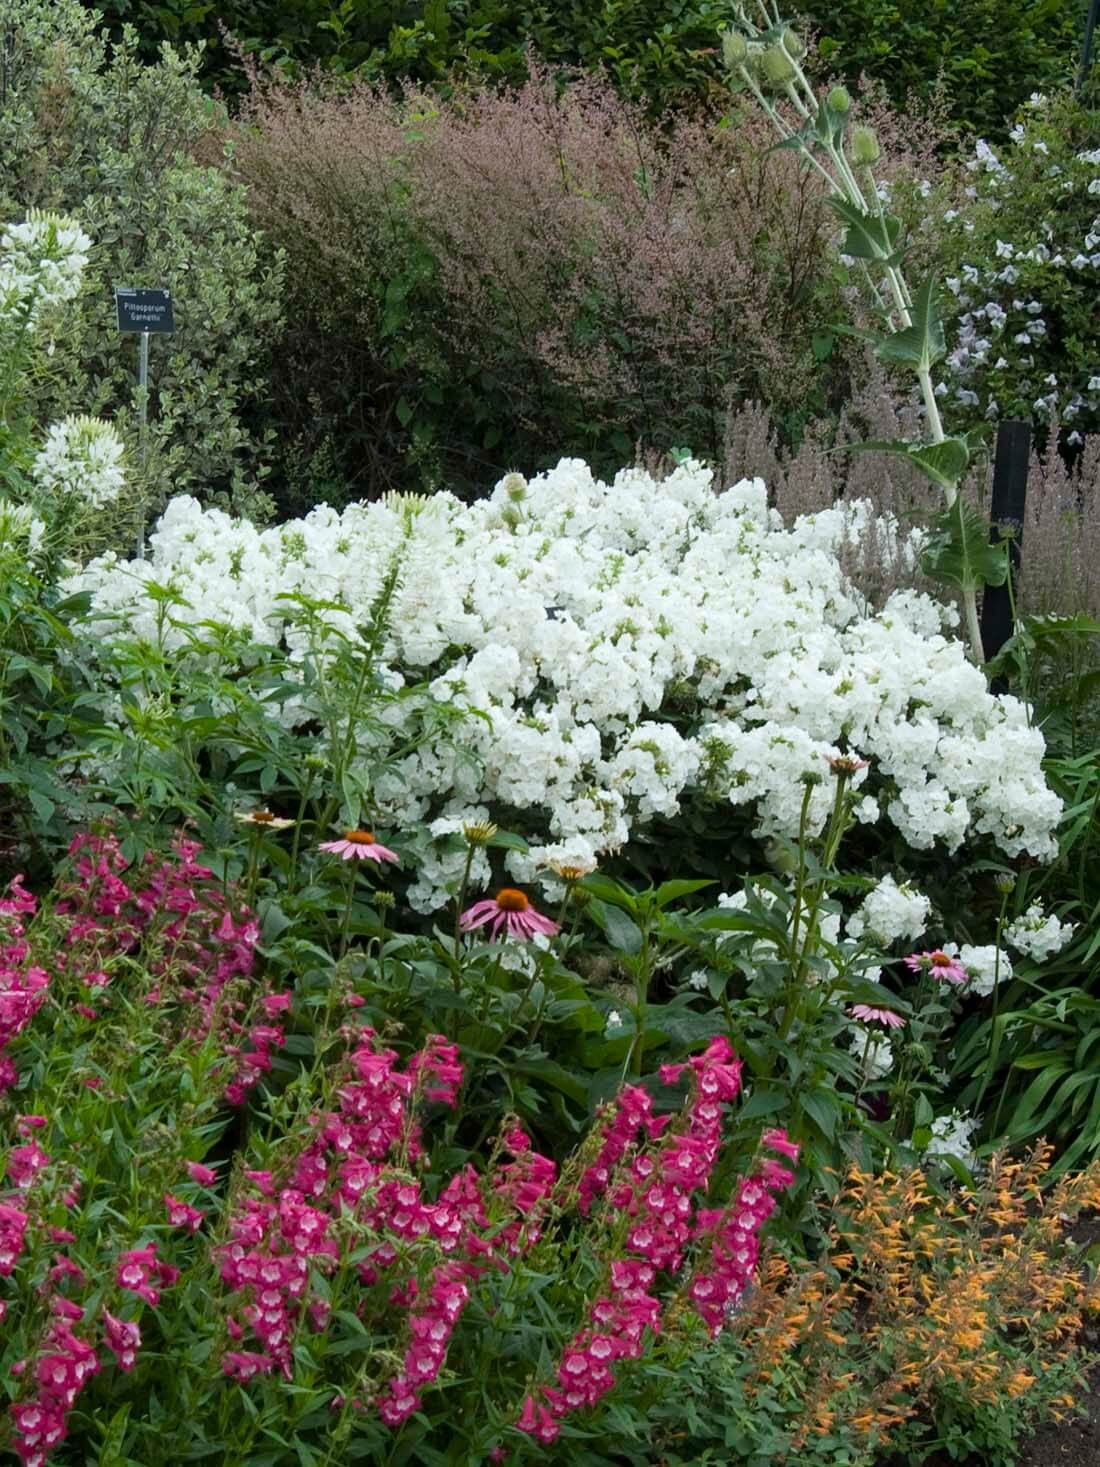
(992, 53)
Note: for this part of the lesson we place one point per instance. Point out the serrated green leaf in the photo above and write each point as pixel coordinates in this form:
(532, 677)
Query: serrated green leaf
(922, 344)
(944, 463)
(959, 550)
(870, 236)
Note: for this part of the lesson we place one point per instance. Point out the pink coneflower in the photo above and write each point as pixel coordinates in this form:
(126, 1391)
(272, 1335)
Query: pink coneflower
(847, 764)
(359, 845)
(511, 910)
(940, 964)
(870, 1015)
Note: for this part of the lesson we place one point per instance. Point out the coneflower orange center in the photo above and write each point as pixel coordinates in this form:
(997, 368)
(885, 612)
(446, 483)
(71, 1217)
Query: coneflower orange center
(360, 837)
(511, 900)
(262, 817)
(940, 960)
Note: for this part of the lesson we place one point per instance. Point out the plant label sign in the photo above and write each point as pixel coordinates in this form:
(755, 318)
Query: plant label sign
(143, 310)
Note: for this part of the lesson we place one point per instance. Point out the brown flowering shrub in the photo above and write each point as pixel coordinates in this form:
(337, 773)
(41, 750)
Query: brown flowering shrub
(507, 277)
(930, 1316)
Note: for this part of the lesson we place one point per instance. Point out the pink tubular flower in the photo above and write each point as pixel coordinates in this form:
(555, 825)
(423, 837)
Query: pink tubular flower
(244, 1364)
(511, 910)
(204, 1175)
(138, 1267)
(359, 845)
(24, 1164)
(778, 1140)
(182, 1214)
(13, 1227)
(123, 1338)
(940, 964)
(871, 1015)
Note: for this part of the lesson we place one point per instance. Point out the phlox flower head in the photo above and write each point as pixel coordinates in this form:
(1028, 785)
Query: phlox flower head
(359, 845)
(871, 1015)
(940, 964)
(509, 911)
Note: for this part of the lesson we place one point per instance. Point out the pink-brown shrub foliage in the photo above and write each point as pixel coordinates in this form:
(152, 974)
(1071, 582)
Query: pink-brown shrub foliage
(506, 277)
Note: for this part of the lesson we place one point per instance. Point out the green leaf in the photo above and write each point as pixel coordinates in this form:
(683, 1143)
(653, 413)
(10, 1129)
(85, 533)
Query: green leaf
(869, 236)
(671, 891)
(823, 1109)
(762, 1103)
(620, 930)
(959, 550)
(944, 463)
(922, 344)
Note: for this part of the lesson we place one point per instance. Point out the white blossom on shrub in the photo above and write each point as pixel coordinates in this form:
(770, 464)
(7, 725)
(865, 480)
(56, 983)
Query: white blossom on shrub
(628, 647)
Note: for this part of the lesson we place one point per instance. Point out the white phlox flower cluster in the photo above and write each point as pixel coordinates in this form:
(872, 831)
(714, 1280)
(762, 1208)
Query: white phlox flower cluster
(889, 913)
(626, 646)
(81, 460)
(986, 967)
(1038, 935)
(874, 1053)
(42, 263)
(952, 1136)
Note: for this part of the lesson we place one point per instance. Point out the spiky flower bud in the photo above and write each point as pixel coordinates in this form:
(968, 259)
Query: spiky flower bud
(839, 101)
(775, 66)
(479, 832)
(793, 44)
(735, 49)
(865, 148)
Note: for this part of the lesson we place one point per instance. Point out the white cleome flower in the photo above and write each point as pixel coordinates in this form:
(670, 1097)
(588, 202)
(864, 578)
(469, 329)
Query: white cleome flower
(42, 264)
(81, 460)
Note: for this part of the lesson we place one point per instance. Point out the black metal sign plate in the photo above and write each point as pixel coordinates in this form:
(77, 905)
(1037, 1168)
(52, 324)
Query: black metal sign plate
(143, 310)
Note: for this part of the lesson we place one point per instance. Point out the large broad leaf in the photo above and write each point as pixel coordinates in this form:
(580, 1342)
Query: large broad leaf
(944, 463)
(869, 236)
(959, 551)
(922, 344)
(621, 931)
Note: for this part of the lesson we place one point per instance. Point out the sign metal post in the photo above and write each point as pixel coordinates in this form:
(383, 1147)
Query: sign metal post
(143, 312)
